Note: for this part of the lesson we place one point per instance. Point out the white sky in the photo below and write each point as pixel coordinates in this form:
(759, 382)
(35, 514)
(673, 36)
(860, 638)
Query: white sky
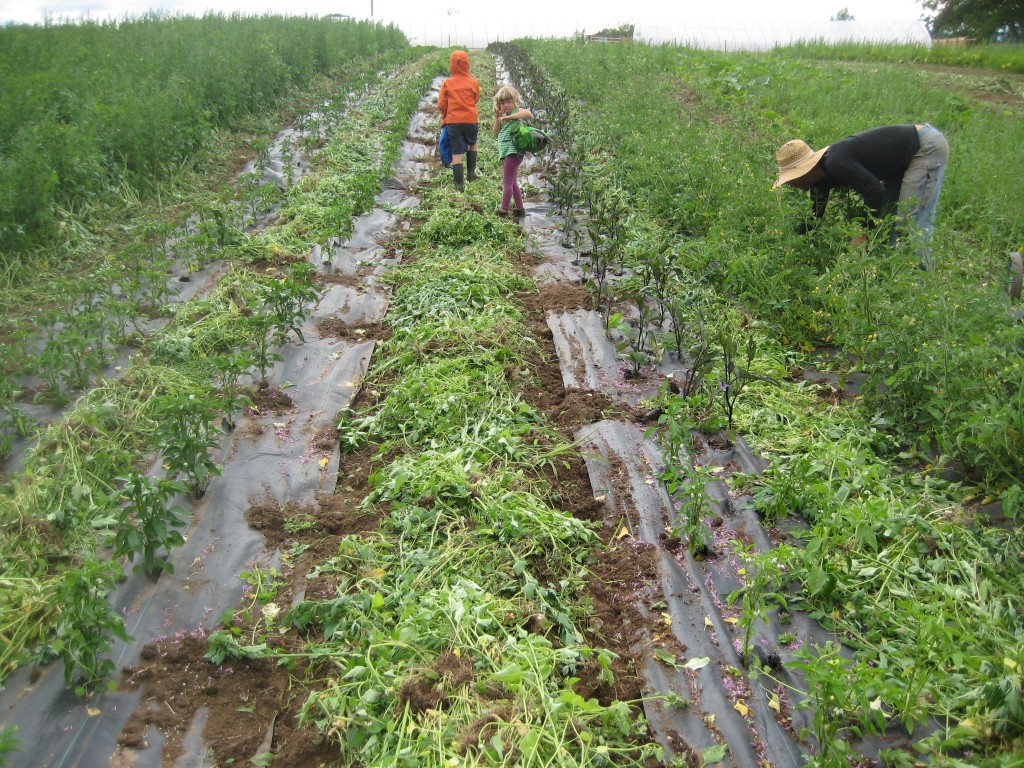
(586, 15)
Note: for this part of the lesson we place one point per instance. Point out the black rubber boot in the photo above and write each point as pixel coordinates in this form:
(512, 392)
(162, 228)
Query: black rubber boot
(471, 165)
(457, 174)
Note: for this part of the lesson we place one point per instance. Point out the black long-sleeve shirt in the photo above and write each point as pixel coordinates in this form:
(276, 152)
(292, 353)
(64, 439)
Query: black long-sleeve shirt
(871, 162)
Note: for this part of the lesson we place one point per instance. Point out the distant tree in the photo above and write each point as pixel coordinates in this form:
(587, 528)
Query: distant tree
(843, 15)
(623, 30)
(995, 20)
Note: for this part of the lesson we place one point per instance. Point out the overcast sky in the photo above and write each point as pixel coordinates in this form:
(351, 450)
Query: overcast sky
(587, 15)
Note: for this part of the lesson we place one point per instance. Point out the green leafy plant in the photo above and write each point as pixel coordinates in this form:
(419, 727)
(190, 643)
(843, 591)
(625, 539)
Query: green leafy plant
(86, 622)
(185, 435)
(635, 341)
(232, 398)
(735, 374)
(283, 301)
(764, 578)
(148, 521)
(8, 743)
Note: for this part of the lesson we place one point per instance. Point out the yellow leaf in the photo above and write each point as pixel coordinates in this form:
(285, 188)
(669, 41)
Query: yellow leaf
(732, 620)
(773, 702)
(324, 462)
(623, 532)
(1010, 663)
(742, 708)
(92, 711)
(707, 622)
(741, 572)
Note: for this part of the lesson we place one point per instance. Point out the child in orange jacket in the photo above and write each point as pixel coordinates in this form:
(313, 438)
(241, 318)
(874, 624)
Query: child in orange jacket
(457, 102)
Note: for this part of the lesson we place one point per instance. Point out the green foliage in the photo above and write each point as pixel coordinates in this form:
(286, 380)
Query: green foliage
(808, 291)
(70, 488)
(94, 108)
(147, 521)
(1000, 57)
(8, 743)
(185, 435)
(86, 624)
(890, 558)
(471, 547)
(229, 395)
(224, 647)
(283, 301)
(993, 20)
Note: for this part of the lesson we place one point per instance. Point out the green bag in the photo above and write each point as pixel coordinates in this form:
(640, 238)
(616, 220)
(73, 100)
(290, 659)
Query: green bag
(529, 139)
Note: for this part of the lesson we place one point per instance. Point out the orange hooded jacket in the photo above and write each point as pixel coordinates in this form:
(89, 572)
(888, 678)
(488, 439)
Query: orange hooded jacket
(459, 93)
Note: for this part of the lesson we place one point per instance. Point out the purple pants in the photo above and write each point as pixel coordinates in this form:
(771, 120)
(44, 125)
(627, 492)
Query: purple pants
(510, 182)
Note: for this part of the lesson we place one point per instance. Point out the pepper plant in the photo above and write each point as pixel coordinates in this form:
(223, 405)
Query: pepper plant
(86, 623)
(229, 369)
(148, 521)
(185, 434)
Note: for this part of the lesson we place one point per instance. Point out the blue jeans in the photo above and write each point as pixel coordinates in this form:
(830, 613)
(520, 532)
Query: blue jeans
(922, 183)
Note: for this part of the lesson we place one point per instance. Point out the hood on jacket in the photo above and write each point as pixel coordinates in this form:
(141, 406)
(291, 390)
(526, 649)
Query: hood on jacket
(459, 63)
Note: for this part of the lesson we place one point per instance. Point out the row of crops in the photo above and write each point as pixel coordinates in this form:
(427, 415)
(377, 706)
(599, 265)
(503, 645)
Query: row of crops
(149, 374)
(918, 574)
(97, 114)
(468, 600)
(455, 633)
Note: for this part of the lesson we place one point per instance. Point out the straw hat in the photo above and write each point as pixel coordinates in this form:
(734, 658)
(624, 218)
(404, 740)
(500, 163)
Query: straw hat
(795, 158)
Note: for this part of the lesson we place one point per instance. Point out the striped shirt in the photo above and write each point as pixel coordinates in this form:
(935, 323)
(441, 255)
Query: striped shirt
(505, 145)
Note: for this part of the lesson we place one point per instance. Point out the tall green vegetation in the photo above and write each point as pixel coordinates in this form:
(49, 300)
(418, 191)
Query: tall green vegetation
(93, 115)
(1001, 57)
(81, 494)
(906, 567)
(696, 146)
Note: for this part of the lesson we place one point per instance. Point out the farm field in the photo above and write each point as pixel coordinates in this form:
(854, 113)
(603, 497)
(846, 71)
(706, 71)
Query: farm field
(326, 464)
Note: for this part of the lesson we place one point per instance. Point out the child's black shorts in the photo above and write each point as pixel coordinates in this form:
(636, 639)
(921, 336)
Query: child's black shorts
(461, 136)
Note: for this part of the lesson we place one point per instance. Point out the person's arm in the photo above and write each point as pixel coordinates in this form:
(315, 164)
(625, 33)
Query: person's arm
(846, 169)
(870, 188)
(442, 101)
(519, 113)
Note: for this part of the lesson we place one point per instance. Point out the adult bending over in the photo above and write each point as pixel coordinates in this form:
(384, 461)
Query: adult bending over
(894, 164)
